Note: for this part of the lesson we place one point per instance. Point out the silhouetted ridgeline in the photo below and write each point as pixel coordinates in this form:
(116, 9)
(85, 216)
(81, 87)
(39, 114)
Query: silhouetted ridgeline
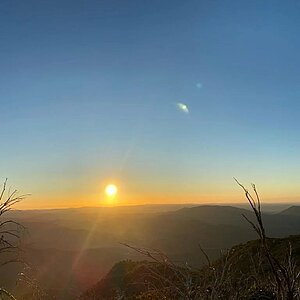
(291, 211)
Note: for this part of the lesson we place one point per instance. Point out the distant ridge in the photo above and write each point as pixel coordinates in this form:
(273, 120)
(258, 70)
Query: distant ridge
(291, 211)
(214, 214)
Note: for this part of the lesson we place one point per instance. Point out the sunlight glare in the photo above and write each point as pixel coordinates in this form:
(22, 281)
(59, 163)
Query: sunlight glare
(111, 190)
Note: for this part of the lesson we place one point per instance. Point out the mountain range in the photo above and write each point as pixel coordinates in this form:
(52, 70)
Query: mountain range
(69, 250)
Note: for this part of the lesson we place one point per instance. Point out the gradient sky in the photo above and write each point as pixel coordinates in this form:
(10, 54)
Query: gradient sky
(88, 93)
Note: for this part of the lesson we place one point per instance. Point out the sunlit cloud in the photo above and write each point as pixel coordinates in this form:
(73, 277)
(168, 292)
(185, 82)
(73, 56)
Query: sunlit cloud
(182, 107)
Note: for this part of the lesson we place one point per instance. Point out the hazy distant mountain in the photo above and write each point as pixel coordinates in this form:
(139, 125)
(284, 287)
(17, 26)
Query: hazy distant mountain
(291, 211)
(214, 214)
(91, 237)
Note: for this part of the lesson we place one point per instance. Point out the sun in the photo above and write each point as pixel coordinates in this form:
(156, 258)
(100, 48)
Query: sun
(111, 190)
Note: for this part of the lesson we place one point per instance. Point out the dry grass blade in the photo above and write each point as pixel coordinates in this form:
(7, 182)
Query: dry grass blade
(10, 231)
(285, 274)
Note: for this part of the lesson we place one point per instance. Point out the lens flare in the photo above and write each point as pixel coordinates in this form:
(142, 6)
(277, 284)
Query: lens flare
(183, 107)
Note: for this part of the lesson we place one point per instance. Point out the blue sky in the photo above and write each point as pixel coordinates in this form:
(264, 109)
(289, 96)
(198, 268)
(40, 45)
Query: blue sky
(88, 93)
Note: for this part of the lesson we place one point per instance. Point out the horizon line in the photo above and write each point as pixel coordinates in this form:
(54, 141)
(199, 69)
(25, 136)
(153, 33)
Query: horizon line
(159, 204)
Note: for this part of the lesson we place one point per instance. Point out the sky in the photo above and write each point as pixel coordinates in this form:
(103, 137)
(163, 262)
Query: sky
(92, 93)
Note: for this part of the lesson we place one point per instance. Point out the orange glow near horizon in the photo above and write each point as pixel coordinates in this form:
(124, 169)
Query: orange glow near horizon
(93, 200)
(125, 192)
